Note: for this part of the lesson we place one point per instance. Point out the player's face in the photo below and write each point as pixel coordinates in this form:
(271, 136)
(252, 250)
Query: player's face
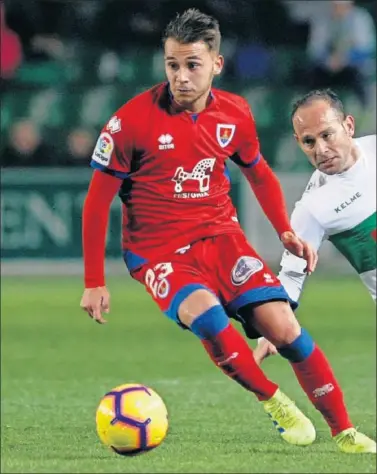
(324, 137)
(190, 69)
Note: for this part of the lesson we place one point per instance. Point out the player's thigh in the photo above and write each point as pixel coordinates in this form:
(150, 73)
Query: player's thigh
(180, 290)
(250, 289)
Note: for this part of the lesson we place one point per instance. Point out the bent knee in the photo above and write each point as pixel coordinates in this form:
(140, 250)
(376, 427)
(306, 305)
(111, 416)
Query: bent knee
(197, 303)
(289, 333)
(276, 321)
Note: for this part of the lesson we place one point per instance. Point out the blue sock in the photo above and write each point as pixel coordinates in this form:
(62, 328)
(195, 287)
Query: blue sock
(210, 323)
(299, 349)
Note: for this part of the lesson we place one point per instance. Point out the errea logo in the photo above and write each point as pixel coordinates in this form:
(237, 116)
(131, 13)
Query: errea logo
(166, 142)
(114, 125)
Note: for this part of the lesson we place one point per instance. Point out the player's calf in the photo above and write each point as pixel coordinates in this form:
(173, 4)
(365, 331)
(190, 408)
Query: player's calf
(231, 353)
(316, 377)
(223, 343)
(310, 365)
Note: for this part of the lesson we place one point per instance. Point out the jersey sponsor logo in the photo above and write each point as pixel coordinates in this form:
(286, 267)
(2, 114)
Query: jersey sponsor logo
(244, 268)
(103, 149)
(166, 142)
(347, 203)
(200, 173)
(224, 134)
(114, 125)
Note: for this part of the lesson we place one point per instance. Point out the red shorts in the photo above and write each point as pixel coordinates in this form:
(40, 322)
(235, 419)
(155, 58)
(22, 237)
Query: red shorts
(226, 265)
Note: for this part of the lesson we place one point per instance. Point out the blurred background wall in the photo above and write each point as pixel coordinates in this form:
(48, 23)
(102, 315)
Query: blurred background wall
(67, 66)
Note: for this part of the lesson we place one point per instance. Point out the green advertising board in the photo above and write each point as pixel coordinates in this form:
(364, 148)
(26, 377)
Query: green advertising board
(41, 214)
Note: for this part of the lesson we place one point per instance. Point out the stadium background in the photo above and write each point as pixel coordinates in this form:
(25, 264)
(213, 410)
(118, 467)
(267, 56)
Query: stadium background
(80, 61)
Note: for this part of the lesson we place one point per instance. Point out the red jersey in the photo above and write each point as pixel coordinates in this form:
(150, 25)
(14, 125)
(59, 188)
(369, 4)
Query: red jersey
(175, 187)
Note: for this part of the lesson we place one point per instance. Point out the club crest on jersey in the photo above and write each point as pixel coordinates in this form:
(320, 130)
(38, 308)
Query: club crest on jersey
(103, 149)
(244, 268)
(224, 134)
(114, 125)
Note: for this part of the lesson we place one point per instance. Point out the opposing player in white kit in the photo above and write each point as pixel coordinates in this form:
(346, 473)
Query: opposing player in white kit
(339, 203)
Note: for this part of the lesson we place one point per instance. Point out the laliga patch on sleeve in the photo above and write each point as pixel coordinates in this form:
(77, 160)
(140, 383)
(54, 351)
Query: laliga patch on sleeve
(103, 149)
(244, 268)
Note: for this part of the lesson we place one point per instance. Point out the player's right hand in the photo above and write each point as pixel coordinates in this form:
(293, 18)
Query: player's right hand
(96, 301)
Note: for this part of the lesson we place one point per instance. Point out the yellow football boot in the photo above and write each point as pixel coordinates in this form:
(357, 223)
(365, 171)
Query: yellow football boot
(293, 426)
(353, 442)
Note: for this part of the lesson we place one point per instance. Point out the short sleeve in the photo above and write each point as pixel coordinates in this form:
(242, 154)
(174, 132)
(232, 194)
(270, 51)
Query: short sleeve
(248, 150)
(114, 147)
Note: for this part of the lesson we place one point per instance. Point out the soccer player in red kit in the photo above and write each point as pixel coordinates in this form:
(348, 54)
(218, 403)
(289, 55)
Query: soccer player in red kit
(164, 152)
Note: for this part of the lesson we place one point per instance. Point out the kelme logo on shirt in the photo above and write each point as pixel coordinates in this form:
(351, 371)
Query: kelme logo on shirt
(343, 205)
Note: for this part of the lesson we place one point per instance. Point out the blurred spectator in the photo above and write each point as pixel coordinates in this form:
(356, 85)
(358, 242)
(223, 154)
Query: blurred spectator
(79, 147)
(25, 147)
(44, 27)
(119, 25)
(10, 48)
(342, 49)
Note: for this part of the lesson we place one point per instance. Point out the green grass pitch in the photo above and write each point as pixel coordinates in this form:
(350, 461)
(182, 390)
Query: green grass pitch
(57, 363)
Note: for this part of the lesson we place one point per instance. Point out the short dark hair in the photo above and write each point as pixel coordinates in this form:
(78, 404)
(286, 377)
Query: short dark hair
(327, 95)
(191, 26)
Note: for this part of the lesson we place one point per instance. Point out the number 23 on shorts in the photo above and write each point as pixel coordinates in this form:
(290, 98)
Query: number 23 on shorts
(156, 279)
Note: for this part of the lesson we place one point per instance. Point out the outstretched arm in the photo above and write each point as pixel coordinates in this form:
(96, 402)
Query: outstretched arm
(266, 187)
(269, 193)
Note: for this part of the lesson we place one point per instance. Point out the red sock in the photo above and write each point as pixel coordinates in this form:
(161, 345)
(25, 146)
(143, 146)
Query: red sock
(232, 354)
(319, 383)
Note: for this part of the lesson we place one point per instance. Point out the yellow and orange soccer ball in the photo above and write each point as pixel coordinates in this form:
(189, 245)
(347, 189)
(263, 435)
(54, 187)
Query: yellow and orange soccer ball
(132, 419)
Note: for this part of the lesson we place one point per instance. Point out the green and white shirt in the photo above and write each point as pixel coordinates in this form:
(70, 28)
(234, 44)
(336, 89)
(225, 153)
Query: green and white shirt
(342, 209)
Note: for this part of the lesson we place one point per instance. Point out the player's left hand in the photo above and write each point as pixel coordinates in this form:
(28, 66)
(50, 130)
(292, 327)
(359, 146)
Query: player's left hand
(301, 249)
(96, 301)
